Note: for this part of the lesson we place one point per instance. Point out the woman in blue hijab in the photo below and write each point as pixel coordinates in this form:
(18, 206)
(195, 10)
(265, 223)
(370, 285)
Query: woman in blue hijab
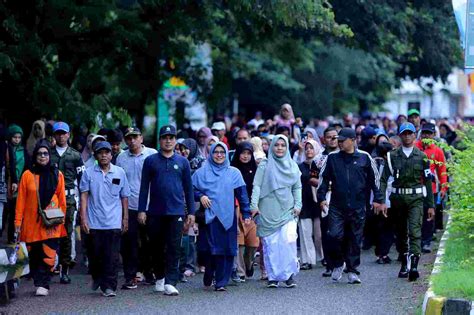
(216, 185)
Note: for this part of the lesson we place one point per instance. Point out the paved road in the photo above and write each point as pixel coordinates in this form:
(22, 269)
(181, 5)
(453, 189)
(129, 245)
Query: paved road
(381, 292)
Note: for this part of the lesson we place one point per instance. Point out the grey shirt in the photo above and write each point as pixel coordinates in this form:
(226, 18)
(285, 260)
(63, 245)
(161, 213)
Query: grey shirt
(104, 205)
(133, 166)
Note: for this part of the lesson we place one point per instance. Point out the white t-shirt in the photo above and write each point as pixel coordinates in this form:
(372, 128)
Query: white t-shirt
(407, 151)
(61, 150)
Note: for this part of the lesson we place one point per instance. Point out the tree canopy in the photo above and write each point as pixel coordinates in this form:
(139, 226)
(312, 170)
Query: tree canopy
(77, 60)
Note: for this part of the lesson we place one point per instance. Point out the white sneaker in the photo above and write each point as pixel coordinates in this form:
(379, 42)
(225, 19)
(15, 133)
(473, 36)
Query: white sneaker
(160, 285)
(337, 272)
(171, 290)
(140, 277)
(40, 291)
(353, 278)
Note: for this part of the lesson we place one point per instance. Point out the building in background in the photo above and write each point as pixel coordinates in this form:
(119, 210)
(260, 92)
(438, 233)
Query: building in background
(454, 98)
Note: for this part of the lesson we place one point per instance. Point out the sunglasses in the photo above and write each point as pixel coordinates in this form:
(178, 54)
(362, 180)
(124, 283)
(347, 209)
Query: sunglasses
(42, 154)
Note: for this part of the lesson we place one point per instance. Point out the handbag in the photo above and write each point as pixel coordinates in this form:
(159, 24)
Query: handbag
(50, 217)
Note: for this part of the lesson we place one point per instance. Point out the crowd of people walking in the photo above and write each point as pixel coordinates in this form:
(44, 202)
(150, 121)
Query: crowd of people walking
(278, 193)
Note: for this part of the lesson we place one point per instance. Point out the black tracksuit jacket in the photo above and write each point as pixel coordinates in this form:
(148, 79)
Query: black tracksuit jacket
(350, 177)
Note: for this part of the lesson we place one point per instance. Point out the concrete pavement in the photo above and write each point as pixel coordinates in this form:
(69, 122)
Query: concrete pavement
(381, 292)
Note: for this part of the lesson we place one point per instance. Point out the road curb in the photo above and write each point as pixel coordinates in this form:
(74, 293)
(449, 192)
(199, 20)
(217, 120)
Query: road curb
(438, 305)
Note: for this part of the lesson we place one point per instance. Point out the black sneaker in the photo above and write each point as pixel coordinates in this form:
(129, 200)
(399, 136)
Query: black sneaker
(327, 273)
(306, 267)
(242, 279)
(95, 285)
(290, 283)
(382, 260)
(272, 284)
(387, 260)
(150, 280)
(182, 278)
(426, 249)
(249, 272)
(130, 285)
(65, 279)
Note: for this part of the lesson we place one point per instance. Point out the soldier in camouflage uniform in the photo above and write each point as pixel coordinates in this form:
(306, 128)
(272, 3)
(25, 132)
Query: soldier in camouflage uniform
(411, 187)
(70, 163)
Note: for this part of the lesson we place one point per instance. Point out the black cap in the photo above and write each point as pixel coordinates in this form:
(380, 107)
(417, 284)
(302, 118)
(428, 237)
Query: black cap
(132, 131)
(428, 127)
(103, 145)
(346, 133)
(167, 130)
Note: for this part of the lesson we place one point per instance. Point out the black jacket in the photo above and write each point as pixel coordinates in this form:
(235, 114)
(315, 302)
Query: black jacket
(352, 177)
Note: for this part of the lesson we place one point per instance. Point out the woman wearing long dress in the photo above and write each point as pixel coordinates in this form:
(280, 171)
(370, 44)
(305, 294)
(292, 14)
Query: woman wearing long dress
(310, 217)
(276, 199)
(216, 185)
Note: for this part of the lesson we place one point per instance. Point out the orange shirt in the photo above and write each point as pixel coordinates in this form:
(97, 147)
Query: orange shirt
(32, 228)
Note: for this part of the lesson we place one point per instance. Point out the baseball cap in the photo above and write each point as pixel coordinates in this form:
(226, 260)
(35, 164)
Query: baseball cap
(167, 130)
(406, 127)
(219, 125)
(97, 137)
(368, 132)
(104, 145)
(413, 111)
(346, 133)
(132, 131)
(428, 127)
(60, 126)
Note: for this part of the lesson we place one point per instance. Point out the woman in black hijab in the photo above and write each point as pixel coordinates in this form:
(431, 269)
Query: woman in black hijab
(244, 161)
(189, 149)
(42, 242)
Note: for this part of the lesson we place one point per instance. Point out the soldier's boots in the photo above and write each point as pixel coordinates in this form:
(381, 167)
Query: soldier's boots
(65, 275)
(413, 273)
(403, 273)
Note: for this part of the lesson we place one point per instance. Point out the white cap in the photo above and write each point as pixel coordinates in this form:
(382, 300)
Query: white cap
(97, 137)
(219, 125)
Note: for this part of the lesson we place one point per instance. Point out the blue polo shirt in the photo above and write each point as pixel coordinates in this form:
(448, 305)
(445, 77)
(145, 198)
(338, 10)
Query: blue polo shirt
(104, 205)
(168, 182)
(132, 165)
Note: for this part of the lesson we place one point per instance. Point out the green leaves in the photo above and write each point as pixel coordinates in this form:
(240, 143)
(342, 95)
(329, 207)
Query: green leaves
(462, 187)
(59, 58)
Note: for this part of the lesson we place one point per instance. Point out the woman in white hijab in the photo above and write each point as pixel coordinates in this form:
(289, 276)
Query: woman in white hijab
(258, 152)
(37, 133)
(310, 218)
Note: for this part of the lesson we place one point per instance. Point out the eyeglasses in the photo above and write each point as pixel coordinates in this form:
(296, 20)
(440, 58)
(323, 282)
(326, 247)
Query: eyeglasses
(42, 154)
(219, 152)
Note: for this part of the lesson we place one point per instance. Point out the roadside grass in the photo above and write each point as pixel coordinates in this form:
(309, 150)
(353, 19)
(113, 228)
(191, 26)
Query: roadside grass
(456, 279)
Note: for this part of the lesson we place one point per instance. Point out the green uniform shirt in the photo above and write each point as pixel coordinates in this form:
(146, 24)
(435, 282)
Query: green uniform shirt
(70, 164)
(409, 172)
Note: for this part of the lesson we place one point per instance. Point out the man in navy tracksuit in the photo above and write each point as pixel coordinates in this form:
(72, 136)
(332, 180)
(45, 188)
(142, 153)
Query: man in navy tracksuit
(353, 174)
(166, 178)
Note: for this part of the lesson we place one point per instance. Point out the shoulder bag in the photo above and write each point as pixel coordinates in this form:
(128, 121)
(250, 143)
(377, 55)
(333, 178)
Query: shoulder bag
(50, 217)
